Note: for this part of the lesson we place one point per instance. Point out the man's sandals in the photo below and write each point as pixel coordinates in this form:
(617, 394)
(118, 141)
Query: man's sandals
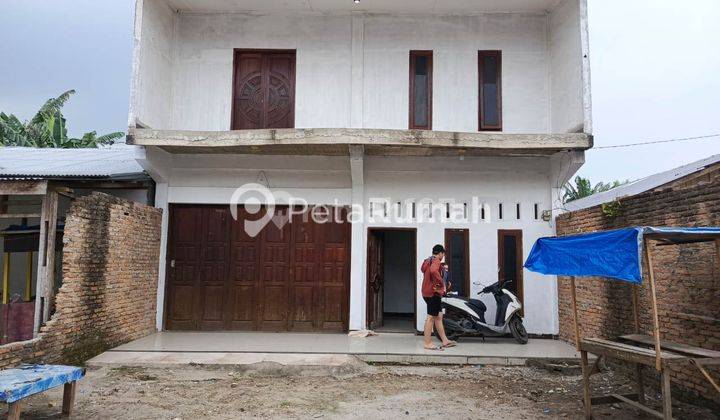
(450, 343)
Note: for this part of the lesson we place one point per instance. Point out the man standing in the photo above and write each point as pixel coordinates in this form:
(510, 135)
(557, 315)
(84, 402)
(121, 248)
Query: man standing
(433, 287)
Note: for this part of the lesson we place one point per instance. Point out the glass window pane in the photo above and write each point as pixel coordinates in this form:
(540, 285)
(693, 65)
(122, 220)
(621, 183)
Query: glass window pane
(421, 91)
(490, 91)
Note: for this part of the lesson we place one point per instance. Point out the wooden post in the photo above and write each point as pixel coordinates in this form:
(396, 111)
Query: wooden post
(68, 398)
(28, 277)
(666, 396)
(575, 312)
(587, 404)
(14, 409)
(6, 279)
(636, 309)
(656, 323)
(46, 260)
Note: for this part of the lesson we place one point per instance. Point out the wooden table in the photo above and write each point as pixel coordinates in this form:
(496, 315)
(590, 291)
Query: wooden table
(635, 348)
(26, 380)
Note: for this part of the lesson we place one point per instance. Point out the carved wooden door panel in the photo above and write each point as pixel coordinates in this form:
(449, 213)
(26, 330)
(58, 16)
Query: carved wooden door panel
(263, 90)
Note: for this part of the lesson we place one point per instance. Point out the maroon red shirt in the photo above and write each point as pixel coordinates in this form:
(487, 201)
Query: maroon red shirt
(433, 283)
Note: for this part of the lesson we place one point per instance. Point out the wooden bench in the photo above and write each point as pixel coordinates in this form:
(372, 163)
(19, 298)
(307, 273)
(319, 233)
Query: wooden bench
(19, 383)
(639, 349)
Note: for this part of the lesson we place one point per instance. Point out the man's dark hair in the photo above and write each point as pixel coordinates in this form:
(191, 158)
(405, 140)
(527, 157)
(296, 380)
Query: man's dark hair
(438, 249)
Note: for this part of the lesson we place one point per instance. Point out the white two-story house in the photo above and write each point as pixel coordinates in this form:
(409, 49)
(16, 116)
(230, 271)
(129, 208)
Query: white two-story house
(452, 122)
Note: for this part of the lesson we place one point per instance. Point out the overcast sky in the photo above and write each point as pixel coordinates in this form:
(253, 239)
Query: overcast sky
(655, 73)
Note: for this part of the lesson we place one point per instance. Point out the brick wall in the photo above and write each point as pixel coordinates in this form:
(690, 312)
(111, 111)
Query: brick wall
(687, 277)
(108, 295)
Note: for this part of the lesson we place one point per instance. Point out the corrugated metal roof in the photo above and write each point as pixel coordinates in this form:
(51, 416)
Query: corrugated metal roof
(642, 185)
(116, 161)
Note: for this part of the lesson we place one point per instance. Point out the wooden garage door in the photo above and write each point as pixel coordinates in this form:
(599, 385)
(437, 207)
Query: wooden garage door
(289, 278)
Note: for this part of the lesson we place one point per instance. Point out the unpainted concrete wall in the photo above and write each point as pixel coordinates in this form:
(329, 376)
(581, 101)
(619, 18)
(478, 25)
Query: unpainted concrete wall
(185, 60)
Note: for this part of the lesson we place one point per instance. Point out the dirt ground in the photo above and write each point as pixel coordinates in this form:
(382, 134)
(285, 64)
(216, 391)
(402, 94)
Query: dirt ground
(355, 391)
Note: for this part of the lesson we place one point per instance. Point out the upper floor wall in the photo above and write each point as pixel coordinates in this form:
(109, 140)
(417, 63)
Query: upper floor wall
(352, 67)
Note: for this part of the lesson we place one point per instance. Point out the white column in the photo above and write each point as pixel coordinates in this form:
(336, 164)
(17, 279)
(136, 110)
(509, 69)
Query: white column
(358, 243)
(161, 202)
(357, 65)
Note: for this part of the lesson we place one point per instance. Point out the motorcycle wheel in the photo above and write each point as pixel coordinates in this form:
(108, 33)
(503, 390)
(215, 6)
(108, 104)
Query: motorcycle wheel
(518, 330)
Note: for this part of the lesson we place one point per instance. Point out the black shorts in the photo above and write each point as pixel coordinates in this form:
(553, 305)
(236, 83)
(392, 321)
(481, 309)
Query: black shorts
(433, 305)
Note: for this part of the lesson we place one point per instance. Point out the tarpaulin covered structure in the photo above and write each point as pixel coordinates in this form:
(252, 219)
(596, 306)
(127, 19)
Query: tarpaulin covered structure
(615, 253)
(618, 254)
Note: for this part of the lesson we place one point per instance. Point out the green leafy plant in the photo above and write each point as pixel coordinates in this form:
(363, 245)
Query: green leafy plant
(612, 209)
(48, 129)
(584, 188)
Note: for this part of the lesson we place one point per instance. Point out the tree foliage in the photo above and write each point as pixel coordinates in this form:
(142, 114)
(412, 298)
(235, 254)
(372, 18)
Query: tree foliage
(584, 188)
(48, 129)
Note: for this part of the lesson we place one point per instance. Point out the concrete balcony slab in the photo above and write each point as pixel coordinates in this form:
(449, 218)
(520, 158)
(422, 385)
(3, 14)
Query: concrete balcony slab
(336, 142)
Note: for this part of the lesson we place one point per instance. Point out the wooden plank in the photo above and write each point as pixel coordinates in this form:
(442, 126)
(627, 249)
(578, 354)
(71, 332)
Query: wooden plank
(575, 312)
(23, 187)
(706, 374)
(68, 398)
(672, 346)
(19, 215)
(611, 399)
(46, 261)
(637, 405)
(625, 352)
(14, 409)
(666, 394)
(653, 296)
(587, 402)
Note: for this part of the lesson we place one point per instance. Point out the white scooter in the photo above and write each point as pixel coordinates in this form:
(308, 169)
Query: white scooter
(466, 317)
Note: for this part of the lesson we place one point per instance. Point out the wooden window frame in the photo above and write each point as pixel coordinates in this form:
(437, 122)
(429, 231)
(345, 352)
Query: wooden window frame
(448, 254)
(411, 113)
(481, 112)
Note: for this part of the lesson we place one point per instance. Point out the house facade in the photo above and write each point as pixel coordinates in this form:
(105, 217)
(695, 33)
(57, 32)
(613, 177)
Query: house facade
(448, 122)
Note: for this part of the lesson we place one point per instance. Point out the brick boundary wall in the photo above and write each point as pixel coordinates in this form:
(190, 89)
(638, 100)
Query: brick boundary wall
(687, 280)
(108, 295)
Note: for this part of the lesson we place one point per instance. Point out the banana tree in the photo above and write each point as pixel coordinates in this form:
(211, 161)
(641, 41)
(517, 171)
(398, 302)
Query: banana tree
(48, 129)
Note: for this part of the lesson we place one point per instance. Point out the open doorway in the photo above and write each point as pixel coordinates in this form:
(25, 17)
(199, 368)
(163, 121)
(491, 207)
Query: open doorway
(391, 279)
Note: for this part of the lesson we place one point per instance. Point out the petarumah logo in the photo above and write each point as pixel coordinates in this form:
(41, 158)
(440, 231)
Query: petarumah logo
(256, 198)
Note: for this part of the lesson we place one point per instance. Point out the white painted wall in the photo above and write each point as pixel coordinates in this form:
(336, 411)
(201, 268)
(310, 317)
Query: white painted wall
(569, 83)
(213, 178)
(352, 70)
(152, 91)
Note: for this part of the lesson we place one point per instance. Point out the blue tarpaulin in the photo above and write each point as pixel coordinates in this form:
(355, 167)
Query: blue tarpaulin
(616, 253)
(26, 380)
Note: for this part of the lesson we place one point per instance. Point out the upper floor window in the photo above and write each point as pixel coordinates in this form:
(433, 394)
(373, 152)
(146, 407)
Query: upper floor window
(421, 90)
(490, 90)
(263, 89)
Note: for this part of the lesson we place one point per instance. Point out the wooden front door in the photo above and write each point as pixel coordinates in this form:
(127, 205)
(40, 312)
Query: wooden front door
(457, 257)
(375, 280)
(290, 277)
(510, 260)
(263, 89)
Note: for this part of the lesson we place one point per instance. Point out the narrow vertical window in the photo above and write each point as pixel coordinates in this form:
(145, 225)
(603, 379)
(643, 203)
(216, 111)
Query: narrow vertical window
(490, 95)
(517, 211)
(537, 215)
(421, 90)
(500, 211)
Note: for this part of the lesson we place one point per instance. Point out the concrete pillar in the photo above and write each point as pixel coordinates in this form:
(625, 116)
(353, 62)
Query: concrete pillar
(358, 251)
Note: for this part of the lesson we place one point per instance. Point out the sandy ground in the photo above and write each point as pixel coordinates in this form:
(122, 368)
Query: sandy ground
(355, 391)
